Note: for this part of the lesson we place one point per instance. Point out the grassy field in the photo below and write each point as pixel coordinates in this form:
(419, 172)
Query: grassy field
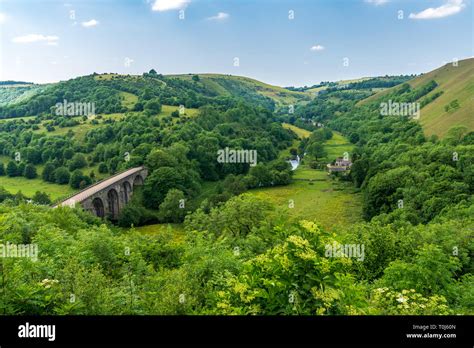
(29, 186)
(25, 118)
(330, 203)
(456, 83)
(166, 110)
(79, 130)
(315, 195)
(300, 132)
(129, 100)
(336, 147)
(157, 229)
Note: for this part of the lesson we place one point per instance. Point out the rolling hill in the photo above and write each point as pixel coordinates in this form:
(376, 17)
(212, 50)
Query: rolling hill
(227, 85)
(118, 93)
(455, 83)
(12, 93)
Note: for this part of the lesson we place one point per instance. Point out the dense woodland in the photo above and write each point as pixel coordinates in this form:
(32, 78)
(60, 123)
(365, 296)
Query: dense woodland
(238, 254)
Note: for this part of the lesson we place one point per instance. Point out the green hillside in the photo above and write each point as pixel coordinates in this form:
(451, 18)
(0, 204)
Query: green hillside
(455, 83)
(233, 85)
(113, 93)
(15, 93)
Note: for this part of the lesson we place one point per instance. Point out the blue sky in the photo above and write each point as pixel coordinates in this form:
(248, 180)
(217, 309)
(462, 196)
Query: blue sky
(43, 41)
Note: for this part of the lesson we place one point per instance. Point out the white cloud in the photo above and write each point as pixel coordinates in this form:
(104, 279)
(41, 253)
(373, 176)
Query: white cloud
(51, 40)
(449, 8)
(166, 5)
(317, 48)
(219, 17)
(3, 17)
(377, 2)
(90, 24)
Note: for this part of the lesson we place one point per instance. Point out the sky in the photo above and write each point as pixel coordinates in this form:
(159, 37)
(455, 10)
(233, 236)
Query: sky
(281, 42)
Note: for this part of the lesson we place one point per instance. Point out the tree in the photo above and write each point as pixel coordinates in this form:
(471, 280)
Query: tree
(68, 153)
(160, 158)
(359, 170)
(77, 179)
(12, 169)
(138, 106)
(237, 218)
(61, 175)
(234, 184)
(86, 181)
(20, 169)
(162, 180)
(454, 104)
(33, 155)
(48, 172)
(173, 208)
(103, 168)
(320, 135)
(316, 150)
(41, 198)
(261, 174)
(153, 106)
(354, 138)
(384, 190)
(196, 78)
(30, 171)
(2, 169)
(437, 267)
(78, 161)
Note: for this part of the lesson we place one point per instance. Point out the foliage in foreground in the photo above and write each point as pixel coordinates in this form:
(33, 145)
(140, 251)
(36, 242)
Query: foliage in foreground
(262, 264)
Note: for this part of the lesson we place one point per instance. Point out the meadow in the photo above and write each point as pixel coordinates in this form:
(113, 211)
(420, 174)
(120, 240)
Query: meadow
(29, 187)
(313, 194)
(330, 203)
(336, 146)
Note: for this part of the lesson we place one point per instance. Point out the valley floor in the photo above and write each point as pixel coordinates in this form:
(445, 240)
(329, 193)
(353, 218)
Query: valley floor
(328, 202)
(313, 194)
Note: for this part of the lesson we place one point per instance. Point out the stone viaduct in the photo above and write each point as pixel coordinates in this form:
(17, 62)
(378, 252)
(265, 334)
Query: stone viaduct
(108, 197)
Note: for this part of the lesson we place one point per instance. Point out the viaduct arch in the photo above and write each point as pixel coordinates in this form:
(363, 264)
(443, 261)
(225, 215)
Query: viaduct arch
(108, 197)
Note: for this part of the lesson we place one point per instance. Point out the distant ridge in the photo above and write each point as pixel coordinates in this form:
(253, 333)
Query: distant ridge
(14, 83)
